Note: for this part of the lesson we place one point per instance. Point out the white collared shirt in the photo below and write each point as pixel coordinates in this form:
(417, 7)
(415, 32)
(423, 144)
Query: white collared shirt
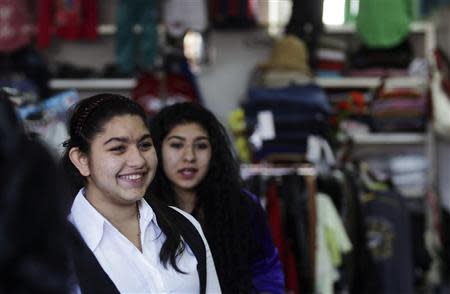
(133, 271)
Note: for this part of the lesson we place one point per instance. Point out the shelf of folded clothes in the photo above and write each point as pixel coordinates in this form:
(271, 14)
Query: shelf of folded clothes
(93, 84)
(368, 82)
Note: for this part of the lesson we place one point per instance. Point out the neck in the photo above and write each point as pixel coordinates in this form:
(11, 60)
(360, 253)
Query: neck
(186, 199)
(124, 217)
(116, 213)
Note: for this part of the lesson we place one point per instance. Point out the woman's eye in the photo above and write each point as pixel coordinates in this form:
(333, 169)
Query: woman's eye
(202, 146)
(146, 145)
(118, 148)
(176, 145)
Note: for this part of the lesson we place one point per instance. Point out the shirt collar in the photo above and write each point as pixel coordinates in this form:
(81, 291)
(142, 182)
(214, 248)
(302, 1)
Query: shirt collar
(88, 220)
(90, 223)
(147, 214)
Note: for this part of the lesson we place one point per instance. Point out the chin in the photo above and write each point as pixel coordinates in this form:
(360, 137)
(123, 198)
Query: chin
(133, 196)
(190, 187)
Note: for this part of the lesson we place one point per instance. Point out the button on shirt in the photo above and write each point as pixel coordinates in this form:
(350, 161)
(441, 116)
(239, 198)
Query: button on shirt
(133, 271)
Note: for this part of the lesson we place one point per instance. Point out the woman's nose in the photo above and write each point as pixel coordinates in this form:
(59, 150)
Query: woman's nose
(136, 158)
(189, 154)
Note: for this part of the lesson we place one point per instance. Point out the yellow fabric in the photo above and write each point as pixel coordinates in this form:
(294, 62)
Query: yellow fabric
(289, 53)
(236, 121)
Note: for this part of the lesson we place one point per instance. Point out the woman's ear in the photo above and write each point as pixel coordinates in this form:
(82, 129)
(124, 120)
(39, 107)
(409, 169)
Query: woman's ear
(80, 160)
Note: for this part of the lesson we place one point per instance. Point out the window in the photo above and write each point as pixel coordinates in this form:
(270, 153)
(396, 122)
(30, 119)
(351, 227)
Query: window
(333, 12)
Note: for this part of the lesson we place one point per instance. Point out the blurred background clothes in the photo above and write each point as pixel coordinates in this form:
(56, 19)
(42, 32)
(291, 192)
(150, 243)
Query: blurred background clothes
(69, 20)
(16, 25)
(306, 23)
(136, 50)
(385, 23)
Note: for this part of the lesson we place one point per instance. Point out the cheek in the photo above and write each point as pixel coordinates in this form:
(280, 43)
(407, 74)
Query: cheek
(151, 158)
(205, 158)
(168, 161)
(105, 165)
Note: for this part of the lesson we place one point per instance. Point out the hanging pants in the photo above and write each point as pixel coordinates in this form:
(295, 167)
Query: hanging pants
(136, 50)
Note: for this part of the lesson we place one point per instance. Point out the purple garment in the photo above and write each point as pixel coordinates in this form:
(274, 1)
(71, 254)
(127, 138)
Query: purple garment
(267, 272)
(400, 104)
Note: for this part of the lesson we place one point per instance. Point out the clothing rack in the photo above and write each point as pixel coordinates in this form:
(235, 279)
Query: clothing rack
(309, 173)
(248, 170)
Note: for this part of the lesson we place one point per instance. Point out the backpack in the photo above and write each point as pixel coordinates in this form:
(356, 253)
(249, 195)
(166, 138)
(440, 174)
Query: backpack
(93, 279)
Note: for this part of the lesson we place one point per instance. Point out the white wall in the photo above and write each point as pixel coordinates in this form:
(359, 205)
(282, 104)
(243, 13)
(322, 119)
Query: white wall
(224, 82)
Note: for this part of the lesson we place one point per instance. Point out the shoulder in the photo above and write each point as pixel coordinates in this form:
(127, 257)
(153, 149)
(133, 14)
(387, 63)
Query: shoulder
(196, 224)
(189, 217)
(250, 195)
(253, 203)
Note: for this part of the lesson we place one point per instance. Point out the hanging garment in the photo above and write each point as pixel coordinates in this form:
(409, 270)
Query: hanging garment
(136, 50)
(285, 250)
(267, 272)
(359, 260)
(296, 224)
(332, 243)
(176, 84)
(384, 23)
(306, 23)
(70, 20)
(15, 25)
(238, 14)
(388, 237)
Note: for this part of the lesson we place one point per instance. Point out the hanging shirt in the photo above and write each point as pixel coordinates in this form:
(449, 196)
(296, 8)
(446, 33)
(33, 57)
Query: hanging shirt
(332, 243)
(15, 25)
(69, 20)
(384, 23)
(133, 271)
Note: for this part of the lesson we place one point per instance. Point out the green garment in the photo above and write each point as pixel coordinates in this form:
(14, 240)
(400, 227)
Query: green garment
(384, 23)
(332, 243)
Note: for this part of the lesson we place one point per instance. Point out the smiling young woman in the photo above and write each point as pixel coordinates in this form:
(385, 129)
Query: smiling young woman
(111, 160)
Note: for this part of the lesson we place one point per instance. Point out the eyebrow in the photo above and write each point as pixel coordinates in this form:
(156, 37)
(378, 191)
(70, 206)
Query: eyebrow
(183, 138)
(125, 139)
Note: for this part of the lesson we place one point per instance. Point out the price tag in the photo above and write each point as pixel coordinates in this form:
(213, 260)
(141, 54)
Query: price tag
(266, 125)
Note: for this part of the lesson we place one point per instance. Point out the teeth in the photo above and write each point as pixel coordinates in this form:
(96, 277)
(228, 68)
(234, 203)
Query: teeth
(132, 177)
